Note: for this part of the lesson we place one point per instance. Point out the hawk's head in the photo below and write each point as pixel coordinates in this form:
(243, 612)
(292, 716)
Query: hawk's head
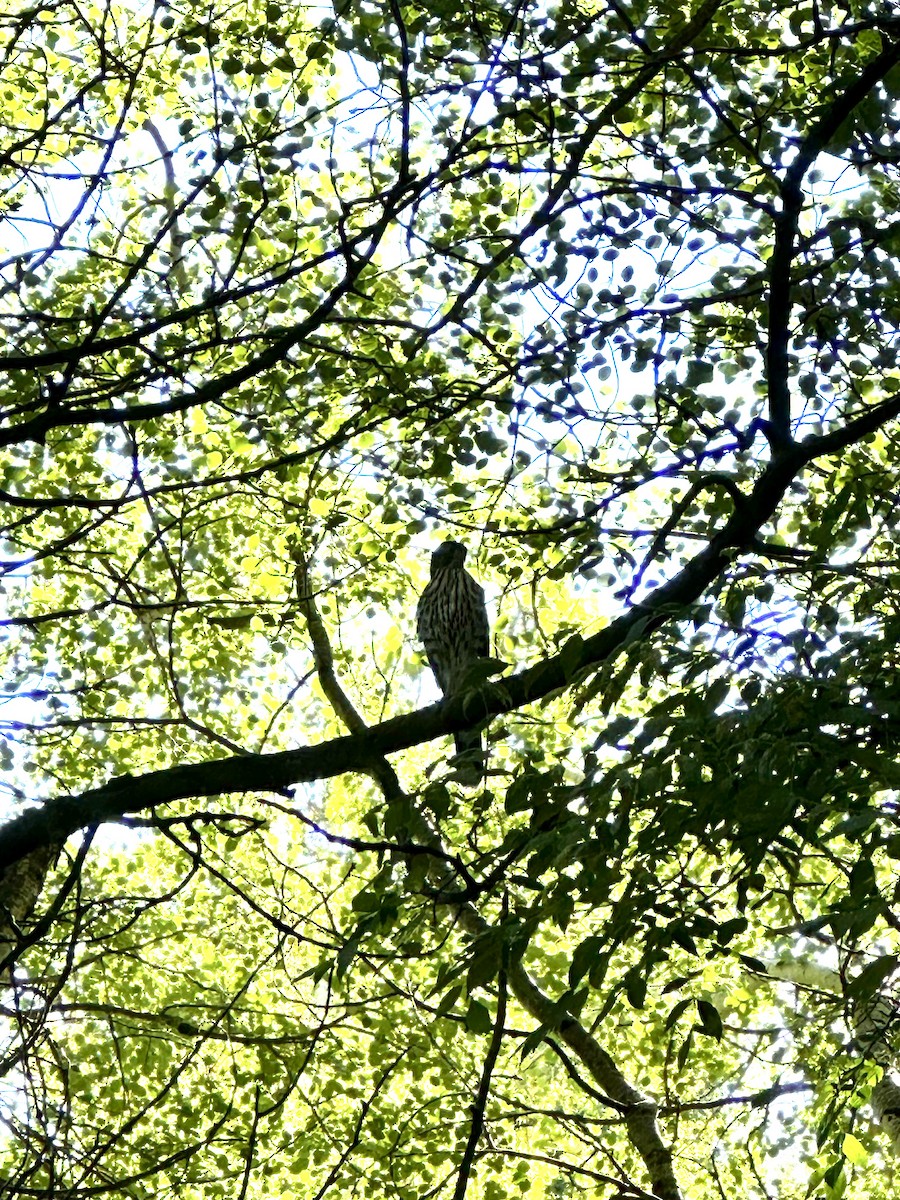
(448, 554)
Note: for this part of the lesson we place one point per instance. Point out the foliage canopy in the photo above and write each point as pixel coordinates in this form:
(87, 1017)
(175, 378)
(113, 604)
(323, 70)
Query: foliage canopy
(607, 291)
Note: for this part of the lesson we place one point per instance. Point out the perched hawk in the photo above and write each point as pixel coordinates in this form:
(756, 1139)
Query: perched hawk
(452, 624)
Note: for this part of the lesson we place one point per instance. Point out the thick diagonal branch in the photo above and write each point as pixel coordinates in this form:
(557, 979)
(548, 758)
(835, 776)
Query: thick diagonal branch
(57, 818)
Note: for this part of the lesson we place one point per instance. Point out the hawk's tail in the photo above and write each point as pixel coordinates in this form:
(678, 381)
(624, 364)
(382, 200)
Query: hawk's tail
(469, 760)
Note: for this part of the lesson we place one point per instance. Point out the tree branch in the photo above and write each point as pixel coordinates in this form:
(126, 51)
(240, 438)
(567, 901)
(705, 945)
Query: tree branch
(786, 224)
(639, 1112)
(57, 818)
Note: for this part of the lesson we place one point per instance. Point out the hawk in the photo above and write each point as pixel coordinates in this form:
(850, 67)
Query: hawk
(452, 623)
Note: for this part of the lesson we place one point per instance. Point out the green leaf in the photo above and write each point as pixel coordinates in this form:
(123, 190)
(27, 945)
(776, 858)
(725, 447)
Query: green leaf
(710, 1020)
(584, 958)
(871, 977)
(635, 988)
(854, 1151)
